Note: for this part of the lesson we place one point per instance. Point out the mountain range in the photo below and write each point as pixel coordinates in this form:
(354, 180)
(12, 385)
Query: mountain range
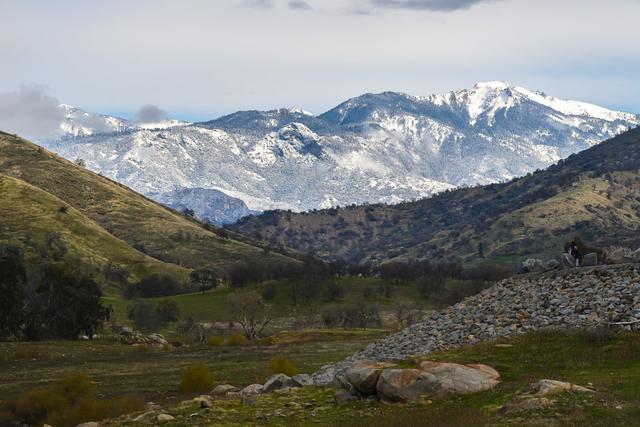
(375, 148)
(593, 195)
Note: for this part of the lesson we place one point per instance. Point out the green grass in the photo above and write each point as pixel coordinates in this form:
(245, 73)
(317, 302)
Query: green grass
(608, 363)
(99, 207)
(155, 373)
(212, 305)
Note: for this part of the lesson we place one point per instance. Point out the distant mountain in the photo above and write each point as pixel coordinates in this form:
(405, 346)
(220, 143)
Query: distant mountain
(388, 147)
(594, 195)
(207, 204)
(49, 204)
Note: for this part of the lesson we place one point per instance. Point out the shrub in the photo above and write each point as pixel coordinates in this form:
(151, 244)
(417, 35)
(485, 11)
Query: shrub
(282, 365)
(236, 340)
(196, 378)
(167, 311)
(215, 341)
(69, 402)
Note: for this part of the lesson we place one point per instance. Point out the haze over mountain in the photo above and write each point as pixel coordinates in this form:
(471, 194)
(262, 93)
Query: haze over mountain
(387, 147)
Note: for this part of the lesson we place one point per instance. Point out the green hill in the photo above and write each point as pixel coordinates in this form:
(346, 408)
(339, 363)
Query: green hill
(594, 194)
(48, 202)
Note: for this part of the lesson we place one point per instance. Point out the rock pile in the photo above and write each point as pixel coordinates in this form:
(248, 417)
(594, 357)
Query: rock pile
(564, 299)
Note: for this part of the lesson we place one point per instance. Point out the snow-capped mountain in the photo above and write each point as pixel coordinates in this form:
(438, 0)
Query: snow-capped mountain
(384, 147)
(78, 123)
(206, 203)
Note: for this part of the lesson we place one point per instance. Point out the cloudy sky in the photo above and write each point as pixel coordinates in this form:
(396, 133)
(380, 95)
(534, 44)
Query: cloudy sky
(198, 59)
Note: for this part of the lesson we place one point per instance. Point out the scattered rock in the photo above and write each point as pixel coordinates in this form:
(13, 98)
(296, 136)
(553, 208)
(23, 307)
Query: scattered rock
(165, 417)
(283, 390)
(157, 339)
(590, 259)
(204, 401)
(576, 299)
(532, 265)
(344, 396)
(249, 394)
(89, 424)
(253, 388)
(553, 264)
(301, 380)
(276, 382)
(363, 376)
(547, 387)
(223, 389)
(526, 404)
(144, 416)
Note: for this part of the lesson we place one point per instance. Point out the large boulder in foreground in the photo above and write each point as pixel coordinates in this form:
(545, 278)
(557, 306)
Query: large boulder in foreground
(405, 385)
(434, 380)
(363, 376)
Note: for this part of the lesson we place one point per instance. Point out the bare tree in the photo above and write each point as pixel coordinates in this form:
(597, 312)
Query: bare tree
(251, 312)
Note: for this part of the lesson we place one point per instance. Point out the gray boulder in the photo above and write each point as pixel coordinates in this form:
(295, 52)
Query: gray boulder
(301, 380)
(551, 265)
(223, 389)
(532, 265)
(363, 376)
(567, 261)
(590, 259)
(276, 382)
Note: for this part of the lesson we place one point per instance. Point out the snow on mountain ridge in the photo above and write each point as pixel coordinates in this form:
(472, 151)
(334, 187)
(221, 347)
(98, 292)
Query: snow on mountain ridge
(386, 147)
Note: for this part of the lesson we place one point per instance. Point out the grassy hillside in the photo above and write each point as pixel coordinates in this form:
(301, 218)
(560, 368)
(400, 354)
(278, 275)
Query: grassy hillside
(99, 220)
(594, 194)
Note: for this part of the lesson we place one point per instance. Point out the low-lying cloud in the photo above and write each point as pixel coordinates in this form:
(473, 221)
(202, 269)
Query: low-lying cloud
(432, 5)
(30, 113)
(151, 114)
(261, 4)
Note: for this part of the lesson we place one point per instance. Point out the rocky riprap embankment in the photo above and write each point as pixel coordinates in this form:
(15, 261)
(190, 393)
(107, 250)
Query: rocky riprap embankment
(568, 299)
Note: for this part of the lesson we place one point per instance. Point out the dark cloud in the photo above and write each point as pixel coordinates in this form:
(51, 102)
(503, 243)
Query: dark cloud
(433, 5)
(262, 4)
(30, 113)
(151, 114)
(299, 5)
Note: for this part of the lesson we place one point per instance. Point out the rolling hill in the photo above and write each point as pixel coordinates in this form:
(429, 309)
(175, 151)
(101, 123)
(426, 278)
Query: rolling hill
(594, 194)
(48, 203)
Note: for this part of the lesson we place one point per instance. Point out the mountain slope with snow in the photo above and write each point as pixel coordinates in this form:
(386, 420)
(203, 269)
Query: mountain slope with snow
(385, 147)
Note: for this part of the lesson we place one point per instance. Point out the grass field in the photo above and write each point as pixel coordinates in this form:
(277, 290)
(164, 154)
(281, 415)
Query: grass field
(212, 305)
(609, 364)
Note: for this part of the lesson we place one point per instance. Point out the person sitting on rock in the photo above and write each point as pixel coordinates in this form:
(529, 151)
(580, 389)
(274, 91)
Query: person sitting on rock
(573, 251)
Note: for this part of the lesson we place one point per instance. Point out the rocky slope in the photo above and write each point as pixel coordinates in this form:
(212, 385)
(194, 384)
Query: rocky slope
(568, 299)
(387, 147)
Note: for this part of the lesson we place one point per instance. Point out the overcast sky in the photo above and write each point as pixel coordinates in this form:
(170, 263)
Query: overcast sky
(198, 59)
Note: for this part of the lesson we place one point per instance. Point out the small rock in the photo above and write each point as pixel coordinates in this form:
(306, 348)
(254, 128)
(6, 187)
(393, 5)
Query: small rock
(546, 387)
(301, 380)
(344, 396)
(165, 417)
(276, 382)
(526, 404)
(204, 401)
(89, 424)
(223, 389)
(590, 259)
(143, 416)
(363, 376)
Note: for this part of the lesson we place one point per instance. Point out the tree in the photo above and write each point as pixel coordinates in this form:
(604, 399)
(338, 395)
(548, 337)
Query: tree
(65, 304)
(251, 312)
(204, 279)
(154, 285)
(167, 311)
(333, 291)
(13, 280)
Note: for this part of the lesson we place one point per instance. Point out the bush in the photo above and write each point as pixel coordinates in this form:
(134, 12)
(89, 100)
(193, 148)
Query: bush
(69, 402)
(149, 316)
(196, 378)
(155, 285)
(282, 365)
(167, 311)
(236, 340)
(270, 292)
(215, 341)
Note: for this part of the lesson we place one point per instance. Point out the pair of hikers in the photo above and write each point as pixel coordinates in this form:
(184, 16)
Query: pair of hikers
(573, 251)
